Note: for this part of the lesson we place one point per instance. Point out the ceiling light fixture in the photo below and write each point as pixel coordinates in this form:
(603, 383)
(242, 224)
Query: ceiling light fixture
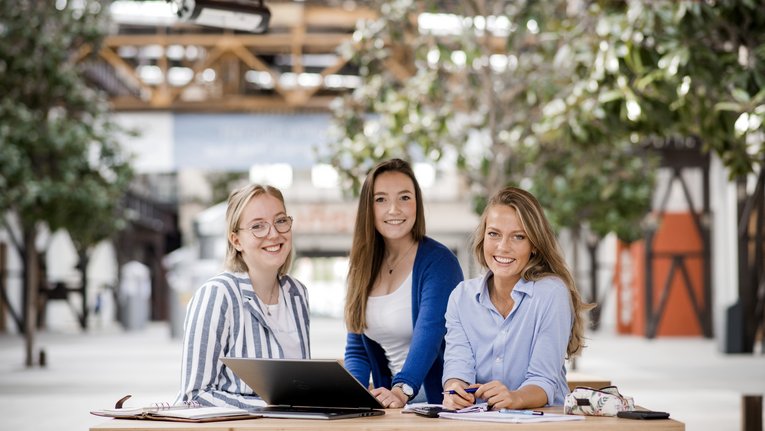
(242, 15)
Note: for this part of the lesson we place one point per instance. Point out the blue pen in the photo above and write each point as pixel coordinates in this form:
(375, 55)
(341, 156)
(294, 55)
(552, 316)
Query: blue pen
(523, 412)
(468, 390)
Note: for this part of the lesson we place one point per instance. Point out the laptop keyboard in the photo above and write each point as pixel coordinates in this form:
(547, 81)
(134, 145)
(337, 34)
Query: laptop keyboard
(319, 411)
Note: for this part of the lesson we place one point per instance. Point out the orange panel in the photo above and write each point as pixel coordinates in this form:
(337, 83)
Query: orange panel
(677, 233)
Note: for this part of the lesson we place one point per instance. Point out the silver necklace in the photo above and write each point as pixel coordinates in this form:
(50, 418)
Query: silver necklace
(271, 298)
(392, 267)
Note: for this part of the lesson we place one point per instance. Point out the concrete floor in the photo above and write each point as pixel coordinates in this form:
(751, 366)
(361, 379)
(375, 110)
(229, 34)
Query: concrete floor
(684, 376)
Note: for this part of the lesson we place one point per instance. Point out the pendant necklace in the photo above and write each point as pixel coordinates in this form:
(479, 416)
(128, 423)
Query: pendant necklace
(392, 267)
(271, 299)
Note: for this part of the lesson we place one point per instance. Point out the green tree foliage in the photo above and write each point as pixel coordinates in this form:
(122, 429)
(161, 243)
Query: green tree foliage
(60, 165)
(499, 96)
(706, 72)
(680, 69)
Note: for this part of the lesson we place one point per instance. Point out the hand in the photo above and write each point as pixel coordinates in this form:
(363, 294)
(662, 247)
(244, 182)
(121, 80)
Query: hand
(498, 397)
(461, 399)
(390, 399)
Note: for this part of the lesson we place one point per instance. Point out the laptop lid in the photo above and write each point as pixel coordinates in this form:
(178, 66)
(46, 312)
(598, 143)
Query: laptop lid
(303, 383)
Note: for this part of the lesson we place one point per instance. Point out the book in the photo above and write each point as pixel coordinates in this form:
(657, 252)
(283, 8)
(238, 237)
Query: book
(187, 412)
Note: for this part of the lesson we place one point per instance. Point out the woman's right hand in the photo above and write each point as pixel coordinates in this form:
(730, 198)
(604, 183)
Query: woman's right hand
(460, 399)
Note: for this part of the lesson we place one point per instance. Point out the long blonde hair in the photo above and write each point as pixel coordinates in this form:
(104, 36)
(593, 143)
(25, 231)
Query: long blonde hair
(368, 248)
(547, 260)
(237, 200)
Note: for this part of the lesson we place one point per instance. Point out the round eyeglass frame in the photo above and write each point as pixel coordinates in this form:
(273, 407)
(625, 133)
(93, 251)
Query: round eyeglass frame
(270, 225)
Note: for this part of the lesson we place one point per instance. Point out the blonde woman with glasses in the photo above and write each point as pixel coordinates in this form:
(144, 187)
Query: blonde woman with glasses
(253, 309)
(510, 331)
(399, 281)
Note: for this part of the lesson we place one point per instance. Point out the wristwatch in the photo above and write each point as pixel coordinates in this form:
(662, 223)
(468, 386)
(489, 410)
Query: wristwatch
(406, 389)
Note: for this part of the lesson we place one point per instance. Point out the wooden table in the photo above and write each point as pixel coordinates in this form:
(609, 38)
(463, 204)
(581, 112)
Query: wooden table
(395, 420)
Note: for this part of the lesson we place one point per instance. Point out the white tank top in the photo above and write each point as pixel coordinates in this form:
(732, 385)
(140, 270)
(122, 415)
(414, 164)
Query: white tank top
(389, 323)
(282, 324)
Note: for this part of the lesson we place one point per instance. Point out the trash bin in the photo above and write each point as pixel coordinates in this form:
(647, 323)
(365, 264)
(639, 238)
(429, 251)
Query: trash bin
(134, 295)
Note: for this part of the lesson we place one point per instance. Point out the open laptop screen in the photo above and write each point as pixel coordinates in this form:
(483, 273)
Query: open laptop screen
(302, 383)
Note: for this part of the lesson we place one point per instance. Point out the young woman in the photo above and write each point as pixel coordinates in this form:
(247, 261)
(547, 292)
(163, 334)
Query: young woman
(253, 309)
(398, 285)
(509, 332)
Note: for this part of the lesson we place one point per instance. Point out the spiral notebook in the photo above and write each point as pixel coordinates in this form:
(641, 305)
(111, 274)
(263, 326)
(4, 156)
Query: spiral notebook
(187, 412)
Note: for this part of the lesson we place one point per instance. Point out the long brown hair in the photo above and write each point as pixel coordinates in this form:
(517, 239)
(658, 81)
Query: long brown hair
(368, 248)
(546, 261)
(237, 200)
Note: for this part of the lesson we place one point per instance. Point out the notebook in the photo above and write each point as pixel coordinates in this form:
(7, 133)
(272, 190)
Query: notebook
(186, 412)
(305, 388)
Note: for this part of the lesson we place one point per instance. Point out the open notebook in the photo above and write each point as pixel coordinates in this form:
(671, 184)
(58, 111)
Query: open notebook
(305, 388)
(190, 412)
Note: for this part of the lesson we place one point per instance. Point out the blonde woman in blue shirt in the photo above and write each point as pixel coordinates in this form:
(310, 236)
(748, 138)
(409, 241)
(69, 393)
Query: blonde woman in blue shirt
(510, 331)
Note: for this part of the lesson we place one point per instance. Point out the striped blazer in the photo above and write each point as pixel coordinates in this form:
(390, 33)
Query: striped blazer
(224, 318)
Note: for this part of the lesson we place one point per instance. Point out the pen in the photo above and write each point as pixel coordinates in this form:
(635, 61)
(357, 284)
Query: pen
(523, 412)
(468, 390)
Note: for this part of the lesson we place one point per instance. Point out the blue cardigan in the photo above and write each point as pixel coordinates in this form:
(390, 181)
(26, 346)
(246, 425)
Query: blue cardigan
(435, 274)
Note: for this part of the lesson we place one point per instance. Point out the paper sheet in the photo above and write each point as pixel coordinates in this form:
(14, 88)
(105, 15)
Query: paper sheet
(495, 416)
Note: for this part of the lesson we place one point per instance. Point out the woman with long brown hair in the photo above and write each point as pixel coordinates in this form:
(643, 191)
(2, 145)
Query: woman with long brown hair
(399, 282)
(510, 331)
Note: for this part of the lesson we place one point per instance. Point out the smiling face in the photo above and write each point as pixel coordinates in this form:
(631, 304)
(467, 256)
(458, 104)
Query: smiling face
(395, 205)
(506, 246)
(271, 251)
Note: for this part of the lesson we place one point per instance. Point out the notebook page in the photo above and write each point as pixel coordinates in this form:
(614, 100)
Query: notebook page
(495, 416)
(202, 412)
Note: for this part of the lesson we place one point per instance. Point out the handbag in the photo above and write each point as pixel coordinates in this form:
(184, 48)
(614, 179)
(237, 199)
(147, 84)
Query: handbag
(606, 401)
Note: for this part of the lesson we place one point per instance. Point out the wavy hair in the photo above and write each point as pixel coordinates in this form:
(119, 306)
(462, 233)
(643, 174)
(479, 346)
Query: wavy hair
(237, 200)
(368, 248)
(545, 262)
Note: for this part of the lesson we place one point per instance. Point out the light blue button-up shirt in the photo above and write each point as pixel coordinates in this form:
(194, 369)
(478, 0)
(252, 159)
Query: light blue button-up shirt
(526, 348)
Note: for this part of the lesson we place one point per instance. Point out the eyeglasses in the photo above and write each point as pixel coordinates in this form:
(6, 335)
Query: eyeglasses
(262, 228)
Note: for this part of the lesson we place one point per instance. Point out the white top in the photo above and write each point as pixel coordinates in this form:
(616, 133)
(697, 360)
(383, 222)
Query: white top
(282, 323)
(389, 323)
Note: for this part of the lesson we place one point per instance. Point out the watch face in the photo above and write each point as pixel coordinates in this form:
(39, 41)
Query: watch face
(406, 389)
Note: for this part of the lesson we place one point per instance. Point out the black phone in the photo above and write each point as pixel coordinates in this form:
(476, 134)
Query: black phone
(431, 412)
(643, 414)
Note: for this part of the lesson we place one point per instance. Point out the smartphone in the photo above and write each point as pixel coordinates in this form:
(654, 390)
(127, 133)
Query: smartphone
(431, 412)
(643, 414)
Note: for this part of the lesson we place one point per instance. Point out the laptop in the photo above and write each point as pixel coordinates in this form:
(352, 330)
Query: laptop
(305, 388)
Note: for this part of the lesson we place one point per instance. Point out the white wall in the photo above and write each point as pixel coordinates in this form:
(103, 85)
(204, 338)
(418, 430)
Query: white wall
(153, 148)
(724, 247)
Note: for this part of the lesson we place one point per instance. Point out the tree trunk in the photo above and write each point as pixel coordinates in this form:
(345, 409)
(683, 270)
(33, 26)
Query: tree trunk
(32, 284)
(575, 235)
(592, 248)
(3, 278)
(83, 258)
(18, 317)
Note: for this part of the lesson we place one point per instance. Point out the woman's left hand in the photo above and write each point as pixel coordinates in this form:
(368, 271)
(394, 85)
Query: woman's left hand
(497, 396)
(390, 399)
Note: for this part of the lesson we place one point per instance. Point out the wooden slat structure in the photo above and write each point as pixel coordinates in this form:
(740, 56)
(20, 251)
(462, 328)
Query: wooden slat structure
(219, 61)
